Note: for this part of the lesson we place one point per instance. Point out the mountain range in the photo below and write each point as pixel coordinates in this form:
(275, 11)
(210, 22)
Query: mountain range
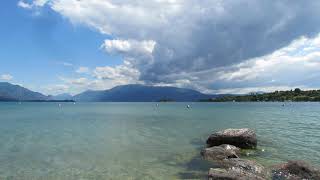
(125, 93)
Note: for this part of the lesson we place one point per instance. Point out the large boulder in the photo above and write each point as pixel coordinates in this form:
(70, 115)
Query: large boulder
(242, 138)
(295, 170)
(230, 174)
(218, 153)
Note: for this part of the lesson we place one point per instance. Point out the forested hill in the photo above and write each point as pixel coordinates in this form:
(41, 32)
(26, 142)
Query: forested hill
(292, 95)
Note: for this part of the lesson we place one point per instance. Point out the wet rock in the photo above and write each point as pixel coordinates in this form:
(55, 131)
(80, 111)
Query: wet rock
(244, 166)
(242, 138)
(230, 174)
(221, 152)
(294, 170)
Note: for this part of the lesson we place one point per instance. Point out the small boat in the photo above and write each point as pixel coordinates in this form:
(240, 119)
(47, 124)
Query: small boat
(188, 106)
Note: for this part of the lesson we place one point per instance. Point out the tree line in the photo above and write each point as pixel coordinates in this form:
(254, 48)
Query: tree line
(296, 95)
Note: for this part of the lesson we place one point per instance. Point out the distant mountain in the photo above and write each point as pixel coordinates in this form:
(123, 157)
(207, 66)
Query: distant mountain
(142, 93)
(10, 92)
(126, 93)
(64, 96)
(3, 98)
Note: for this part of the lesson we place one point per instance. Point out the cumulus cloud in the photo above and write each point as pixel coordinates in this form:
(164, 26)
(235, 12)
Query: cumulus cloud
(193, 35)
(6, 77)
(208, 44)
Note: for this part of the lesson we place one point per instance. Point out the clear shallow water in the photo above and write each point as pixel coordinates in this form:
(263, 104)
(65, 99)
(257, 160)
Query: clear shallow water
(142, 141)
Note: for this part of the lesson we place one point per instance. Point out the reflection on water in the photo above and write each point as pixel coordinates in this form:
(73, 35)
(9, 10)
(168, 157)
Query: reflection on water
(143, 141)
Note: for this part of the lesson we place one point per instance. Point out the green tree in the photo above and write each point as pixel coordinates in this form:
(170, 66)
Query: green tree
(297, 90)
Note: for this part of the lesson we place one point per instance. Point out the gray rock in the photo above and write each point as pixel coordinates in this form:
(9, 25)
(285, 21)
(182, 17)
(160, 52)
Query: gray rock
(218, 153)
(230, 174)
(296, 170)
(244, 166)
(242, 138)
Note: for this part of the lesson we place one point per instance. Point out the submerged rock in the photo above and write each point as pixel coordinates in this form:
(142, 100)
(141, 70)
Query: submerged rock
(242, 138)
(234, 168)
(230, 174)
(221, 152)
(244, 166)
(294, 170)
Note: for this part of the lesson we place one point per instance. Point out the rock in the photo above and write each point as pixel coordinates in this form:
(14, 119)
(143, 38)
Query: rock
(230, 174)
(238, 169)
(242, 138)
(244, 166)
(294, 170)
(221, 152)
(223, 174)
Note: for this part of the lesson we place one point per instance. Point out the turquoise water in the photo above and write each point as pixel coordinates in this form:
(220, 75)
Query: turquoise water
(142, 141)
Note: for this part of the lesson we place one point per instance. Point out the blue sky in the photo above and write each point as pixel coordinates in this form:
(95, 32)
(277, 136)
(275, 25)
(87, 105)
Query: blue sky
(37, 49)
(214, 46)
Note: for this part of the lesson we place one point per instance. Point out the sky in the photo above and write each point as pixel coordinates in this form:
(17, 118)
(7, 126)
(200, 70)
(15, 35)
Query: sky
(214, 46)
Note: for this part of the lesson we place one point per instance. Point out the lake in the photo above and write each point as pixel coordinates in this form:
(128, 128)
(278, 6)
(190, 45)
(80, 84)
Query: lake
(142, 140)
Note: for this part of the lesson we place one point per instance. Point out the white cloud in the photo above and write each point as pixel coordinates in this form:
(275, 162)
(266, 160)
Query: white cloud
(123, 74)
(24, 5)
(40, 2)
(129, 47)
(6, 77)
(108, 16)
(83, 70)
(34, 4)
